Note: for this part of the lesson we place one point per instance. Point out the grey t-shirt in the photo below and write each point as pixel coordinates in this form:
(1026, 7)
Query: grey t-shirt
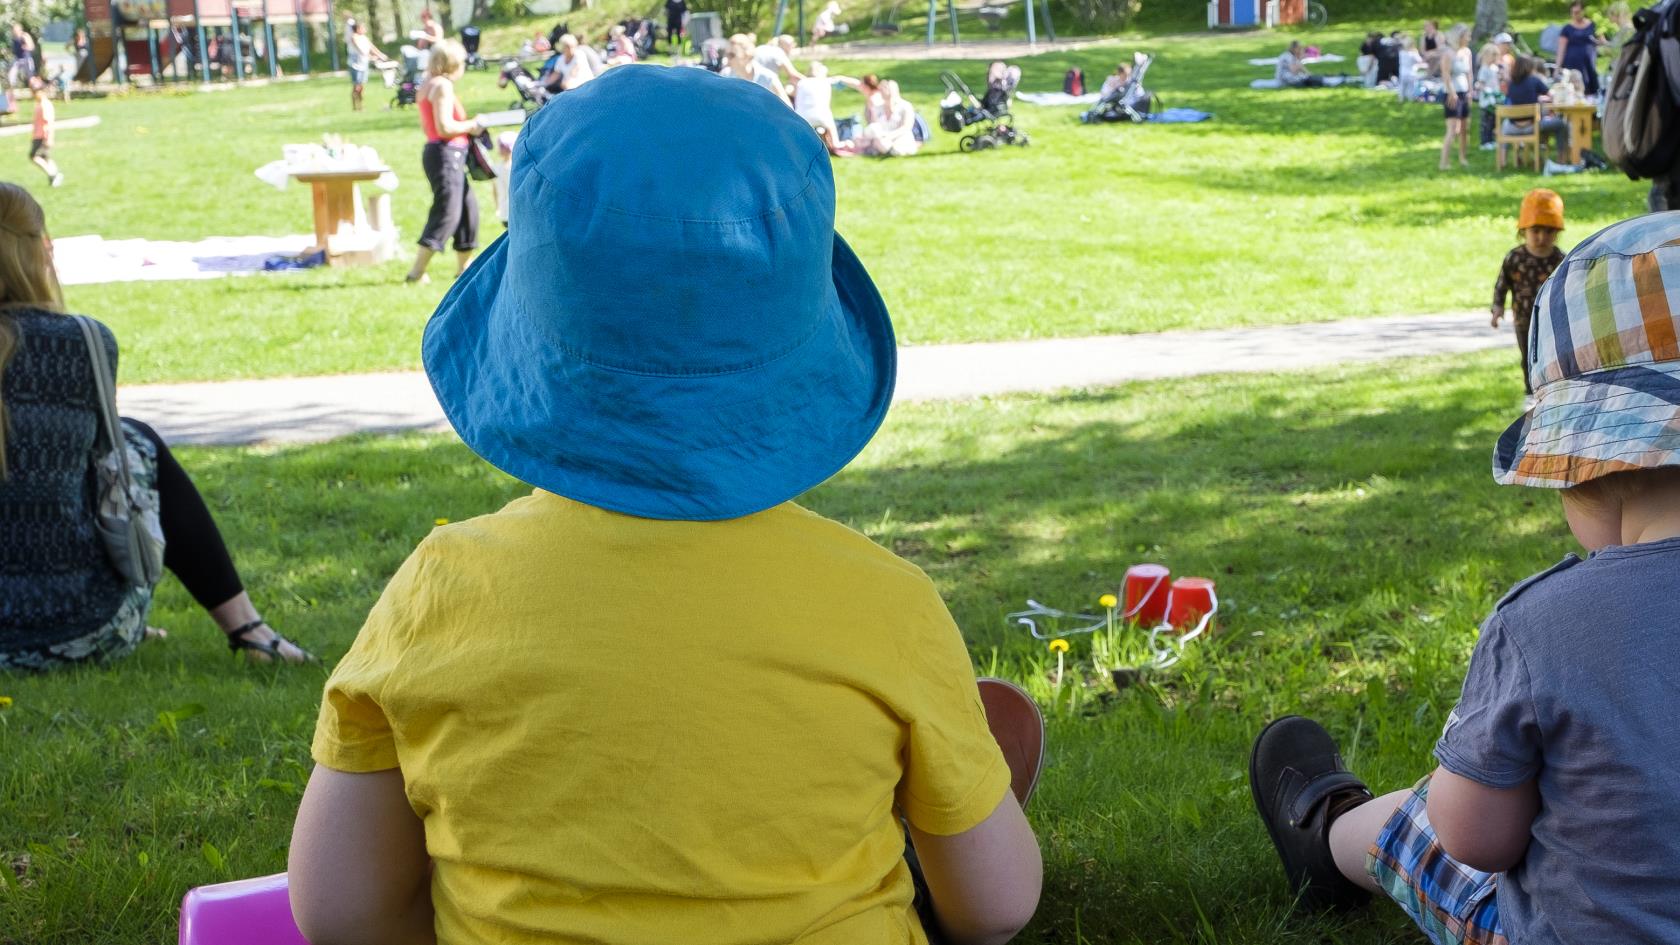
(1576, 682)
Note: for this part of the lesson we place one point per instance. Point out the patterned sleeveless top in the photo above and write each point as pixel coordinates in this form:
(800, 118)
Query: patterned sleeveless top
(55, 581)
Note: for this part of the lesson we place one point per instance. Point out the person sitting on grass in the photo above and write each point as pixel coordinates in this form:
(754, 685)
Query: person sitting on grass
(1550, 816)
(569, 67)
(1292, 72)
(621, 49)
(656, 700)
(893, 133)
(62, 600)
(777, 56)
(740, 63)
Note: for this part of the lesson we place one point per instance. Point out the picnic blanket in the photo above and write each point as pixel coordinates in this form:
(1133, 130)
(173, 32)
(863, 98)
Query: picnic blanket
(1305, 60)
(1176, 116)
(85, 260)
(1059, 98)
(1330, 82)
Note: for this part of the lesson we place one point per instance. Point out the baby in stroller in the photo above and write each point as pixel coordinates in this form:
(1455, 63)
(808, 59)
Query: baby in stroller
(413, 64)
(532, 95)
(1123, 96)
(960, 109)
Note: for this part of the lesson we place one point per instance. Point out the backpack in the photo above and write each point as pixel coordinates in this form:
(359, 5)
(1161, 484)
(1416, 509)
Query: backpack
(1641, 121)
(1074, 82)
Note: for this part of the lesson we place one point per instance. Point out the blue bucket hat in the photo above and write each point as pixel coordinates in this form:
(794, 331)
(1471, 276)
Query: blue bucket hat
(670, 328)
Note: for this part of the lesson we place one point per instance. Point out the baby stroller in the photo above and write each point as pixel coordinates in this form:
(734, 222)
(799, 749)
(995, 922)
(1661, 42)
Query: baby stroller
(1130, 102)
(408, 87)
(532, 95)
(960, 109)
(712, 53)
(470, 38)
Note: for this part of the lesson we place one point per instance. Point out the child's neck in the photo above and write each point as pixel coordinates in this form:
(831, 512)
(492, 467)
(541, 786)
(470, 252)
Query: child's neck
(1538, 254)
(1651, 517)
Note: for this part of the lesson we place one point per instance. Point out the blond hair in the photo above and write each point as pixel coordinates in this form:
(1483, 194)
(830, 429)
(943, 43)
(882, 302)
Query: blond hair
(27, 279)
(448, 58)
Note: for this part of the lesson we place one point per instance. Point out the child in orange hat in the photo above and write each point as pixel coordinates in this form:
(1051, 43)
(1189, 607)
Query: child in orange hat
(1527, 267)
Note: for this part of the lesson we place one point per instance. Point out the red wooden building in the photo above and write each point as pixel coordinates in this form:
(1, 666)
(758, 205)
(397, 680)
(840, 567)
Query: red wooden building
(231, 38)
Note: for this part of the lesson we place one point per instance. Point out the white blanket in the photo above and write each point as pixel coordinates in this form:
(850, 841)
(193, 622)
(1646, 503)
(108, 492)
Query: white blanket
(1305, 61)
(85, 260)
(1059, 98)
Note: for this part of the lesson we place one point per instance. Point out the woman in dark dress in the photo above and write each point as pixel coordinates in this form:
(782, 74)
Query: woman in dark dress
(61, 599)
(1578, 47)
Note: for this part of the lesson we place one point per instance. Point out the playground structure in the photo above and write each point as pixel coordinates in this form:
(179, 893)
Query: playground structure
(991, 12)
(160, 39)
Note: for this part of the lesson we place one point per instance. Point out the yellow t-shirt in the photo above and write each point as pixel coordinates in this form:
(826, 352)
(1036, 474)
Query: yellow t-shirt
(620, 729)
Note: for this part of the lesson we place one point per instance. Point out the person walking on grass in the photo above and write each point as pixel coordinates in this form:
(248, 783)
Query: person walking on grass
(1457, 65)
(1527, 267)
(41, 133)
(1550, 816)
(655, 699)
(62, 600)
(443, 119)
(362, 52)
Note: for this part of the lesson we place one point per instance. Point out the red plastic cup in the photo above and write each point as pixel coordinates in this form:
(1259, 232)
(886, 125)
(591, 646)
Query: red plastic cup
(1191, 599)
(1147, 592)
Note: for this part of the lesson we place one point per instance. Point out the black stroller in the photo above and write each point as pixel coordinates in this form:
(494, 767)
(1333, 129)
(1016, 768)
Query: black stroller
(470, 38)
(408, 87)
(532, 95)
(1130, 101)
(961, 109)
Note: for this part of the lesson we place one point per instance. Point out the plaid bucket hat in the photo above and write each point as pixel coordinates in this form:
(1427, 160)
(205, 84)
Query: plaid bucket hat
(1604, 361)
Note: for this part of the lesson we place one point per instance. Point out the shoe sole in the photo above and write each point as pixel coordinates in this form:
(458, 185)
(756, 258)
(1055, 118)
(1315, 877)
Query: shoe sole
(1018, 727)
(1254, 792)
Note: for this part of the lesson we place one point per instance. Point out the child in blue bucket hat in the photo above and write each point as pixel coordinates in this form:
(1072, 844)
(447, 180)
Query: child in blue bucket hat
(1550, 817)
(655, 700)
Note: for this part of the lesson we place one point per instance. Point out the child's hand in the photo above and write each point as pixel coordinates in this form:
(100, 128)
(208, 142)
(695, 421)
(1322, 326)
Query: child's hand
(1498, 313)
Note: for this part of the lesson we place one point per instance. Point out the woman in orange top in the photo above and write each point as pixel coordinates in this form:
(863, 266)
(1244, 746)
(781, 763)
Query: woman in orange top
(443, 118)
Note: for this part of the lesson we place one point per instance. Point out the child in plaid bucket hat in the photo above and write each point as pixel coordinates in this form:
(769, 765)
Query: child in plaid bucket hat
(1550, 818)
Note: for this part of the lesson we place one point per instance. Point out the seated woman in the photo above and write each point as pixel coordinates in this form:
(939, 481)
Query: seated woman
(742, 63)
(570, 67)
(621, 49)
(62, 601)
(1292, 72)
(1001, 79)
(893, 134)
(1526, 88)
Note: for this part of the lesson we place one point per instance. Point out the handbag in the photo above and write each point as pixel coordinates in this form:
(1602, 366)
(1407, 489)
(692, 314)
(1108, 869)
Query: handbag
(125, 515)
(479, 166)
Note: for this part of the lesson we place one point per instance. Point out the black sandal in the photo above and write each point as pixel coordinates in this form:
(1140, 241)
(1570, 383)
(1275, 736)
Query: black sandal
(1300, 786)
(237, 641)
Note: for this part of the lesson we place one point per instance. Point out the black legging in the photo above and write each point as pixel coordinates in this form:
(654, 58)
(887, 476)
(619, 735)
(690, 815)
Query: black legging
(193, 547)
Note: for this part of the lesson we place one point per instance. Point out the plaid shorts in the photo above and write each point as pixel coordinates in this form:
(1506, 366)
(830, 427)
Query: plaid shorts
(1449, 901)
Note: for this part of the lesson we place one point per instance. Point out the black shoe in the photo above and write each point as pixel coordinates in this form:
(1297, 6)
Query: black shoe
(1300, 786)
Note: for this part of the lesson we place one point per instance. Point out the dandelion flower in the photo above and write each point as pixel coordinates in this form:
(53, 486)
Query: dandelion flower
(441, 521)
(1058, 646)
(1108, 600)
(5, 702)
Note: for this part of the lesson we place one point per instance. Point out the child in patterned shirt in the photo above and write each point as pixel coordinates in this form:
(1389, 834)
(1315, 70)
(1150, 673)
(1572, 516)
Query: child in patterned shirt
(1528, 266)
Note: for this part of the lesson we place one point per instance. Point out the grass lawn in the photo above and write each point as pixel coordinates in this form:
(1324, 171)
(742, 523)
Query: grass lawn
(1348, 516)
(1289, 206)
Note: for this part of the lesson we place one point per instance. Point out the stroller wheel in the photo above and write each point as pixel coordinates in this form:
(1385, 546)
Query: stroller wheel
(1019, 139)
(969, 143)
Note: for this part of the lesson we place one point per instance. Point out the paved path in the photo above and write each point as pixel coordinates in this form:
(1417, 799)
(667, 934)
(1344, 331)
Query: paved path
(320, 408)
(986, 49)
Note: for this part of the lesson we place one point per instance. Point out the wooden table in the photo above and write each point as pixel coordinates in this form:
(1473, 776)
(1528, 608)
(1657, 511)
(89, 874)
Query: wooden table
(1580, 118)
(335, 199)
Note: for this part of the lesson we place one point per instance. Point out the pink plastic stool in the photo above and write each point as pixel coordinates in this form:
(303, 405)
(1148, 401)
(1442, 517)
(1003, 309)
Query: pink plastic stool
(245, 912)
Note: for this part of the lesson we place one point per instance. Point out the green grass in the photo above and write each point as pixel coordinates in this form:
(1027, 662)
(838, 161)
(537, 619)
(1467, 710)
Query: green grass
(1348, 516)
(1288, 207)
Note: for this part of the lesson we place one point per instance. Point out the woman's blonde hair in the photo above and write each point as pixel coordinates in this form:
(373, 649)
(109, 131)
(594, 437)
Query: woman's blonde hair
(27, 279)
(1488, 56)
(447, 59)
(1459, 35)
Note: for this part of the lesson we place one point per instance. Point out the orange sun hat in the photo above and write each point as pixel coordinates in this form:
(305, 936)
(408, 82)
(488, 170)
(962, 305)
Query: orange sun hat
(1541, 207)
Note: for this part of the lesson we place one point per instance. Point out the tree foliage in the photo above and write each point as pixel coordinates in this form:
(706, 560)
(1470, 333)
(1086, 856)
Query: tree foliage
(739, 16)
(1102, 14)
(34, 14)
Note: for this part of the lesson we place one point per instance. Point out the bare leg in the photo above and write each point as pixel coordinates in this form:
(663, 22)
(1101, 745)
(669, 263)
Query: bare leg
(236, 612)
(422, 259)
(463, 257)
(1463, 140)
(1446, 146)
(1353, 833)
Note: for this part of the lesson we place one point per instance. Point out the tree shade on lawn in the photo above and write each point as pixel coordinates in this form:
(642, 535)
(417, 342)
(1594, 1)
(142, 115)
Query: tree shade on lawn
(1348, 517)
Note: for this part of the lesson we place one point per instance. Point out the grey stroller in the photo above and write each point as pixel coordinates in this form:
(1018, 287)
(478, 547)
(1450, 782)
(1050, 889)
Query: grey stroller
(1130, 101)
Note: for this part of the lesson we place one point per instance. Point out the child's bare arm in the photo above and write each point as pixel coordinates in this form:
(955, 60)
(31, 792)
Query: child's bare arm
(359, 870)
(1482, 827)
(985, 881)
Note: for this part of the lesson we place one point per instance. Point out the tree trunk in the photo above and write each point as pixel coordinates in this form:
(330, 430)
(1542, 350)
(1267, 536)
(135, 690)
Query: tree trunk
(397, 17)
(375, 31)
(1492, 16)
